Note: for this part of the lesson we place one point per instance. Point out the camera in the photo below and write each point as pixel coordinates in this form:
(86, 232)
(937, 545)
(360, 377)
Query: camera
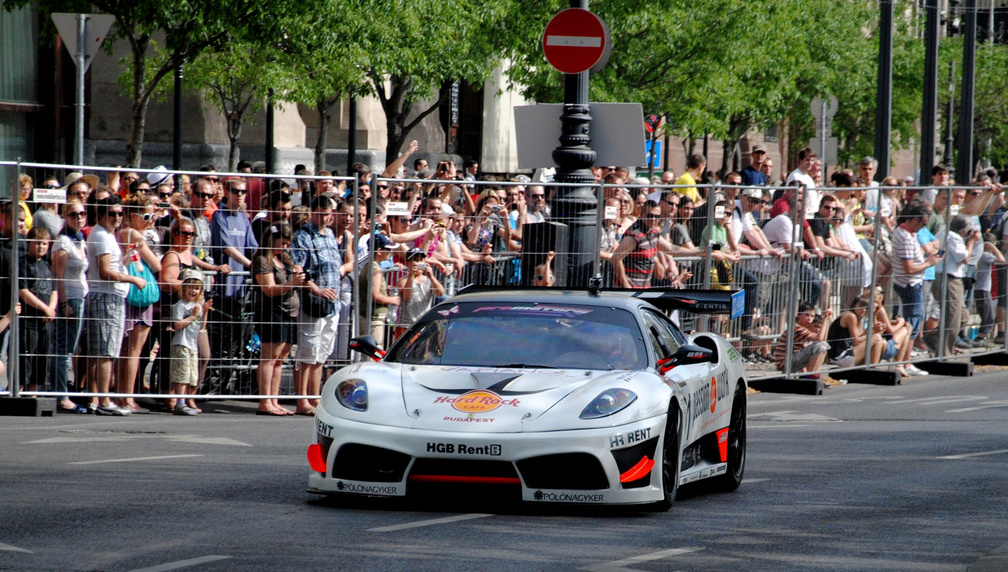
(421, 266)
(495, 208)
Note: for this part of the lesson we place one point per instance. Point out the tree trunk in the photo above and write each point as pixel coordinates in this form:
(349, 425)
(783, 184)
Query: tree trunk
(324, 108)
(138, 112)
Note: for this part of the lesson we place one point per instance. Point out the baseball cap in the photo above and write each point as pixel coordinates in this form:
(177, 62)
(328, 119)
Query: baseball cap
(415, 253)
(384, 242)
(757, 148)
(192, 275)
(754, 192)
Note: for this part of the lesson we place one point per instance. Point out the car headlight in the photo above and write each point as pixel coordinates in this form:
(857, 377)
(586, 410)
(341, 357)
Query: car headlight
(352, 394)
(608, 402)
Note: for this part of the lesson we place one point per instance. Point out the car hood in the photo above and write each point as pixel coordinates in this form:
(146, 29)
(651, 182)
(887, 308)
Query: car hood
(493, 400)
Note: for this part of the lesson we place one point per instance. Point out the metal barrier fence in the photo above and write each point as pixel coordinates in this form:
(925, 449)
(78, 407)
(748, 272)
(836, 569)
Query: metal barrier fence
(467, 232)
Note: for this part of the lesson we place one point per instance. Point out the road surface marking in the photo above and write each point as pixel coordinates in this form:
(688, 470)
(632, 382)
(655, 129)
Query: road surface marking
(201, 440)
(990, 405)
(9, 548)
(431, 522)
(970, 455)
(620, 565)
(133, 459)
(182, 564)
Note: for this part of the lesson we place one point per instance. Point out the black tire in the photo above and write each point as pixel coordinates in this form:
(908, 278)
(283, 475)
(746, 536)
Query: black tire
(671, 458)
(731, 480)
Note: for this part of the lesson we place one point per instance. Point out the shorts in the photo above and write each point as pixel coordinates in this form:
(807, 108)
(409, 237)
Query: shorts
(801, 358)
(277, 328)
(184, 366)
(106, 317)
(134, 316)
(891, 349)
(316, 338)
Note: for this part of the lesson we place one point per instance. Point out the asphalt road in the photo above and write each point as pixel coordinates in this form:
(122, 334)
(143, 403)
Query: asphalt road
(912, 477)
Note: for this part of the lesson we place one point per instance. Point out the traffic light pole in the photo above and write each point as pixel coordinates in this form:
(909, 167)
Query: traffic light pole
(964, 165)
(929, 113)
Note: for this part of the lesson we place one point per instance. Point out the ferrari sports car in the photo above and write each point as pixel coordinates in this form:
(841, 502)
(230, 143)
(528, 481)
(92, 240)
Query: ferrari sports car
(562, 396)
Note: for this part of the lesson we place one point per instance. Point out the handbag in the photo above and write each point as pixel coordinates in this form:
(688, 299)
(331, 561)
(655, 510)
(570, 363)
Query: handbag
(149, 294)
(316, 306)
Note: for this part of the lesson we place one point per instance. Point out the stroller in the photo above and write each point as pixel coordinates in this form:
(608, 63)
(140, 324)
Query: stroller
(235, 347)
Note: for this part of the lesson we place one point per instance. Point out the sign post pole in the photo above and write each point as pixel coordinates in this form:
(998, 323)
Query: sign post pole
(79, 103)
(572, 49)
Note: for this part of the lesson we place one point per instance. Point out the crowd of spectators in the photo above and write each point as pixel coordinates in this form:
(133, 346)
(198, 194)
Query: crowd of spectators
(154, 273)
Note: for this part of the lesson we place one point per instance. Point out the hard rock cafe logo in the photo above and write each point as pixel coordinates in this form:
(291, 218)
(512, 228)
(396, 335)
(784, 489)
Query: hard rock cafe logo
(476, 401)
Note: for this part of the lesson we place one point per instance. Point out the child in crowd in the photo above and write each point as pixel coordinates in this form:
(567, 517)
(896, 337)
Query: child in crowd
(985, 305)
(37, 290)
(188, 318)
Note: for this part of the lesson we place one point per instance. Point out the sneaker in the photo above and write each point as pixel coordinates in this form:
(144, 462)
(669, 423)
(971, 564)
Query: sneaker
(911, 369)
(92, 407)
(182, 409)
(112, 409)
(963, 344)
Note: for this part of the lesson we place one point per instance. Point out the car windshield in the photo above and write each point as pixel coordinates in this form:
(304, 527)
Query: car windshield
(528, 335)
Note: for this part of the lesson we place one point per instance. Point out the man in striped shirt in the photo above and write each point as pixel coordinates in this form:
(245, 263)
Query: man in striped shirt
(808, 352)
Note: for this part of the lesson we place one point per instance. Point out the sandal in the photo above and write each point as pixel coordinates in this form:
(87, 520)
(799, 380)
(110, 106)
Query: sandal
(272, 412)
(307, 412)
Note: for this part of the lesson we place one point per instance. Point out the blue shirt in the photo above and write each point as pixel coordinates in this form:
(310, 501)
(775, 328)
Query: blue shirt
(319, 254)
(925, 236)
(232, 228)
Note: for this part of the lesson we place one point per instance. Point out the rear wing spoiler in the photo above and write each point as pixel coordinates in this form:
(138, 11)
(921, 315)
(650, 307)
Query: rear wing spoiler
(731, 302)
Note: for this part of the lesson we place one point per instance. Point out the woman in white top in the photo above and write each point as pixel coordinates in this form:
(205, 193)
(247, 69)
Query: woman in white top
(69, 264)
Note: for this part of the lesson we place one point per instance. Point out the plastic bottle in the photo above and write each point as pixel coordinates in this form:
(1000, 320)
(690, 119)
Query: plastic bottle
(254, 344)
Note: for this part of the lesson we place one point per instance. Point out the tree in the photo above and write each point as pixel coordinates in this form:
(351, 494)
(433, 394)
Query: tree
(413, 48)
(237, 75)
(185, 28)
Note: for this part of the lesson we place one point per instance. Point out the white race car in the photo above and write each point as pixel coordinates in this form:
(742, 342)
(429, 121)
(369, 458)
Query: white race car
(561, 396)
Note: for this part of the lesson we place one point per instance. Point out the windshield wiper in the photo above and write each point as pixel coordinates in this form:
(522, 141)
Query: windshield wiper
(526, 366)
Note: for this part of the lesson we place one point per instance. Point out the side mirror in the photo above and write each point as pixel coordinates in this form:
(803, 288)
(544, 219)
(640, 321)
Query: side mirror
(368, 346)
(688, 354)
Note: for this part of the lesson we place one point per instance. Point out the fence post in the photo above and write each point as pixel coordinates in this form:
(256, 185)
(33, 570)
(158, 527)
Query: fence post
(13, 340)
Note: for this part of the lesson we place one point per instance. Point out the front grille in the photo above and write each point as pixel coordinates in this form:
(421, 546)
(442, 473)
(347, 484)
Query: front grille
(571, 471)
(355, 462)
(489, 471)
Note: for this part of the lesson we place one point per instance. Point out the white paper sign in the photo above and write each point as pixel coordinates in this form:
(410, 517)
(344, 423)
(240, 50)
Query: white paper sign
(397, 209)
(49, 195)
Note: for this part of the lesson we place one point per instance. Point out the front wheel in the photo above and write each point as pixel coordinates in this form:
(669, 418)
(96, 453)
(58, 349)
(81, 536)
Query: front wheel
(671, 460)
(731, 480)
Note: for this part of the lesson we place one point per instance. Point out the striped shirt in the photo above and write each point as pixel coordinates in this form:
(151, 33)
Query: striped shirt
(640, 263)
(802, 336)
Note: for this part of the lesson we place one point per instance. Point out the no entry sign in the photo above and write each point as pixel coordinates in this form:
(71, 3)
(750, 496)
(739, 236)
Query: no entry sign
(575, 41)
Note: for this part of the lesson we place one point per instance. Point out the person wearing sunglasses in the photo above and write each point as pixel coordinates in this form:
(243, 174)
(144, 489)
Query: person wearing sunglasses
(105, 306)
(69, 264)
(142, 245)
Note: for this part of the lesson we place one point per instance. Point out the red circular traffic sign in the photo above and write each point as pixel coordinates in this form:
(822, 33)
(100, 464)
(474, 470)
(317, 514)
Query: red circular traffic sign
(575, 40)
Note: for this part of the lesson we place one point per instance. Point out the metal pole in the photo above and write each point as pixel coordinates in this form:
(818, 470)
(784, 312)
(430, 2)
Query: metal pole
(575, 206)
(81, 69)
(177, 126)
(929, 112)
(949, 138)
(964, 168)
(352, 137)
(13, 340)
(268, 155)
(883, 95)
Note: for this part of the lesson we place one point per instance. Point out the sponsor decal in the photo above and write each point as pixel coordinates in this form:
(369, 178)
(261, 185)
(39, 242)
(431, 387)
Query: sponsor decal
(568, 497)
(713, 394)
(323, 428)
(361, 488)
(453, 310)
(732, 354)
(470, 419)
(476, 401)
(722, 442)
(492, 450)
(629, 438)
(537, 310)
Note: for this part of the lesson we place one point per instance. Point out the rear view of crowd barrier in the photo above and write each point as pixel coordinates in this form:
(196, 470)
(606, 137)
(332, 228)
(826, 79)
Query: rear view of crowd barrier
(221, 254)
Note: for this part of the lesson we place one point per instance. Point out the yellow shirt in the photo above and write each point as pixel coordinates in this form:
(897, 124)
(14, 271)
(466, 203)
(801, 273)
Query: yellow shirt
(691, 192)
